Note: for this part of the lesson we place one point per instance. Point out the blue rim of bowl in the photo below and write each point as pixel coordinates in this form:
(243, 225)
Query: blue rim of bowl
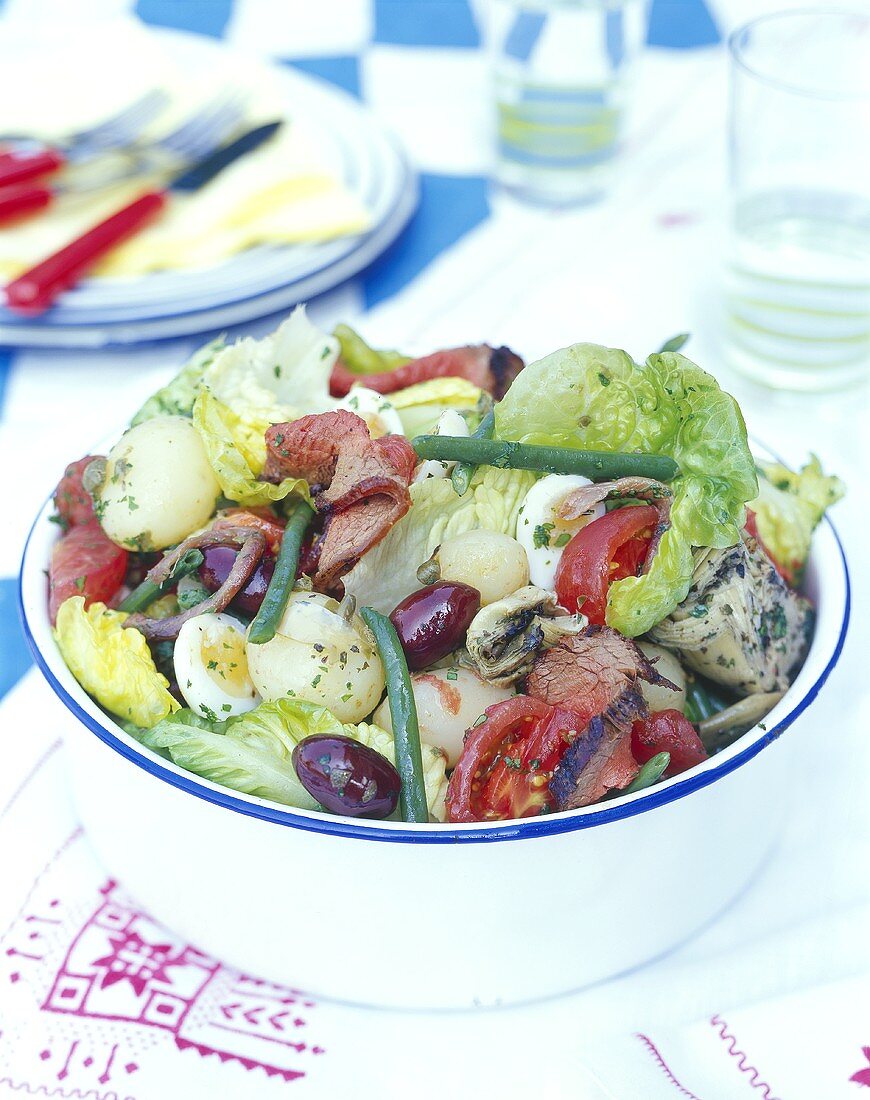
(527, 829)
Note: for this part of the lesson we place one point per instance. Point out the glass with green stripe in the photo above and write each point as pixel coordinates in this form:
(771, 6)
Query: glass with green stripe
(560, 72)
(797, 258)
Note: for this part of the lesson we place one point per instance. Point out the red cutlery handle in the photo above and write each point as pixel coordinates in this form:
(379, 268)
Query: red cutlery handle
(17, 166)
(37, 289)
(25, 198)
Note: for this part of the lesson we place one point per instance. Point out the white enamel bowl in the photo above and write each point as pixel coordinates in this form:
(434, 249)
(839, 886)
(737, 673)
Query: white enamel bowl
(433, 917)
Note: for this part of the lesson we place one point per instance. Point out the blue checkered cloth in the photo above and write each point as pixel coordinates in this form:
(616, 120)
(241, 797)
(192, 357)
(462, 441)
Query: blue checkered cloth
(350, 43)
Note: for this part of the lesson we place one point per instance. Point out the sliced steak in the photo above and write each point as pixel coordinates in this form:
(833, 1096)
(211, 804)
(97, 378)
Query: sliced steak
(596, 674)
(588, 672)
(360, 484)
(599, 760)
(491, 369)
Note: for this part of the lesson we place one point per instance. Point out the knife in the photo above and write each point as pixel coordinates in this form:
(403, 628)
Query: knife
(37, 289)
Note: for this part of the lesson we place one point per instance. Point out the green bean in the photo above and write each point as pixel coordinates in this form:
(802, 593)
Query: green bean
(403, 711)
(144, 594)
(281, 585)
(503, 454)
(463, 472)
(700, 704)
(650, 773)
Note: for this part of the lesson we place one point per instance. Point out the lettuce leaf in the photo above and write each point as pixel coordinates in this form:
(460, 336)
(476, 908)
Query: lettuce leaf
(253, 752)
(358, 357)
(252, 756)
(236, 452)
(789, 507)
(596, 397)
(281, 377)
(177, 397)
(112, 663)
(419, 406)
(388, 572)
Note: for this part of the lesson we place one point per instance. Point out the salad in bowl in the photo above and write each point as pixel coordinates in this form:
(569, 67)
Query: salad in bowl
(445, 589)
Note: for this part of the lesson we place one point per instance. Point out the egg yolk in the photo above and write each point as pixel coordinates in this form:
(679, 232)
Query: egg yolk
(224, 660)
(375, 424)
(571, 526)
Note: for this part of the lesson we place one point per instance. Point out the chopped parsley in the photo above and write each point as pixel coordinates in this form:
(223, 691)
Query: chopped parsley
(452, 674)
(562, 539)
(774, 621)
(541, 535)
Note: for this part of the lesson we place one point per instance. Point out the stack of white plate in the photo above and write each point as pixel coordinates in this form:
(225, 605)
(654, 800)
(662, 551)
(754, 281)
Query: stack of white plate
(105, 312)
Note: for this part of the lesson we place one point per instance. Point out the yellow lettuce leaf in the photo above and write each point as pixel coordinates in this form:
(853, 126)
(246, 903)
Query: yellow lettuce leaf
(419, 406)
(236, 451)
(112, 663)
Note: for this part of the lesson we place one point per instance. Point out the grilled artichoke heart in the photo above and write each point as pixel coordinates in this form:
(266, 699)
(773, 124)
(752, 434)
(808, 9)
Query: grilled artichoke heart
(505, 638)
(721, 728)
(741, 625)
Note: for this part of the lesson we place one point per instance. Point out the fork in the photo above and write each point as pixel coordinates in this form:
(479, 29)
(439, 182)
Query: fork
(192, 139)
(112, 133)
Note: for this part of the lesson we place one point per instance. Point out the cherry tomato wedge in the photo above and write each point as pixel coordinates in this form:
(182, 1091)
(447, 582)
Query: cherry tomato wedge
(508, 760)
(85, 563)
(629, 558)
(667, 731)
(606, 550)
(72, 501)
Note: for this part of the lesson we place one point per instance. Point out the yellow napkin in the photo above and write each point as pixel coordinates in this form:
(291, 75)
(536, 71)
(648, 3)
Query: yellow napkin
(287, 192)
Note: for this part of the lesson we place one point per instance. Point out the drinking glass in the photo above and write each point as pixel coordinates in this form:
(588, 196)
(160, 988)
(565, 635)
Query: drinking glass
(560, 71)
(797, 279)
